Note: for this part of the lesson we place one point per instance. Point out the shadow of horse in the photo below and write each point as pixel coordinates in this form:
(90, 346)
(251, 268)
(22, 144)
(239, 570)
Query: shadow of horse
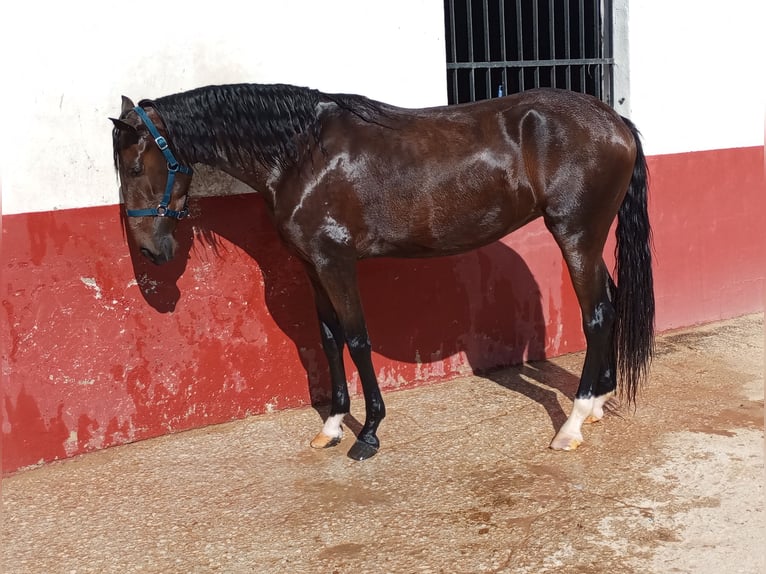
(483, 307)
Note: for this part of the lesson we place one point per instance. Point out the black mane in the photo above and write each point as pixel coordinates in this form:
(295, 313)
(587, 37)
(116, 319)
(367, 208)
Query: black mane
(245, 124)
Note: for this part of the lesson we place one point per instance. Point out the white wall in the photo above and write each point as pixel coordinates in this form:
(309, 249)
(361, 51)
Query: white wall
(65, 65)
(697, 73)
(695, 69)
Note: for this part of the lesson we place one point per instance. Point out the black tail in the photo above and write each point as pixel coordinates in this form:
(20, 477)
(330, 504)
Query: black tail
(634, 328)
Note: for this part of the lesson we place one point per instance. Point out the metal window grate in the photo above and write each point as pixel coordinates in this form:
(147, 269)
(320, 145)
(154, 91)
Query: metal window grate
(497, 47)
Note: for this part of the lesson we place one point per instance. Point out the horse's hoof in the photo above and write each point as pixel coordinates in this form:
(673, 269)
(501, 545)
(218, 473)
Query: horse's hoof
(362, 451)
(323, 441)
(565, 442)
(592, 419)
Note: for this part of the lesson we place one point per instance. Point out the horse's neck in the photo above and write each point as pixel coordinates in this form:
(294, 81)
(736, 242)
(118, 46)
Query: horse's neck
(261, 179)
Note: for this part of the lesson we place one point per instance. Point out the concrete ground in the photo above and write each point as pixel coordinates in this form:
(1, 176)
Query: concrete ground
(464, 483)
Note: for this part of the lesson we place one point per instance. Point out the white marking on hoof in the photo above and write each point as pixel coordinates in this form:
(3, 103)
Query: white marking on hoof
(564, 442)
(569, 436)
(332, 426)
(331, 433)
(323, 441)
(598, 408)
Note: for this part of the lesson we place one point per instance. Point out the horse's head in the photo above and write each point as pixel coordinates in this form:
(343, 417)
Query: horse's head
(154, 185)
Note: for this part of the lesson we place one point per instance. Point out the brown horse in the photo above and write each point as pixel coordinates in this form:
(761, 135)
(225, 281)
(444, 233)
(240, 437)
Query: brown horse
(346, 178)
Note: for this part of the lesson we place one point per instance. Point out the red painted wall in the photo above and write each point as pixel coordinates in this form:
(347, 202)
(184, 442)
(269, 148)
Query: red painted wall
(708, 212)
(101, 348)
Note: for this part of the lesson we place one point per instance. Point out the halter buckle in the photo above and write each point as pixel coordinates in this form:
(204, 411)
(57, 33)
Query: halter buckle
(161, 142)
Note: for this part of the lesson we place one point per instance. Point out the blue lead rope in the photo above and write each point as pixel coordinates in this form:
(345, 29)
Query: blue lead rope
(162, 210)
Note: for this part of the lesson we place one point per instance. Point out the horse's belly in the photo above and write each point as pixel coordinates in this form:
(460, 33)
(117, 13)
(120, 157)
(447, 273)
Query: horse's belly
(448, 225)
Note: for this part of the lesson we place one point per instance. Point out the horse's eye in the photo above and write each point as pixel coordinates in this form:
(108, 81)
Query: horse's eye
(137, 169)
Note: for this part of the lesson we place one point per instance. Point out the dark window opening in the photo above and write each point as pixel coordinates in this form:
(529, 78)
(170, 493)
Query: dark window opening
(499, 47)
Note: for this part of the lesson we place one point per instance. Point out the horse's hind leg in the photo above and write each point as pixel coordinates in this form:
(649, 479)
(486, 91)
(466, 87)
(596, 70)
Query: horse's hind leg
(607, 378)
(595, 291)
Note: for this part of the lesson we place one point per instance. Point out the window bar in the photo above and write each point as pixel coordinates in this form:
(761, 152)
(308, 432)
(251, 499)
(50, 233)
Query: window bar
(567, 44)
(528, 63)
(472, 71)
(503, 51)
(453, 37)
(597, 47)
(552, 39)
(520, 40)
(581, 27)
(487, 54)
(536, 40)
(606, 19)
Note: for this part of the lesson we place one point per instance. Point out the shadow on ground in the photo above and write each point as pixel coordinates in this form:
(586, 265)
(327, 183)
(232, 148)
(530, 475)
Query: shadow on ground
(485, 305)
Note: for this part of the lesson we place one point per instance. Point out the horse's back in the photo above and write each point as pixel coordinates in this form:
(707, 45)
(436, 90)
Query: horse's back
(542, 129)
(443, 180)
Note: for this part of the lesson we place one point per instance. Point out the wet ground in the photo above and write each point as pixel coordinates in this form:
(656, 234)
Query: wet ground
(464, 483)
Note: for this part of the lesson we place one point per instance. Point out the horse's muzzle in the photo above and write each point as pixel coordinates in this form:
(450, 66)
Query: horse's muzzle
(156, 258)
(165, 250)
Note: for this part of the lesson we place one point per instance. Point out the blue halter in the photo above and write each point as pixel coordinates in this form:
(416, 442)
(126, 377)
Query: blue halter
(162, 210)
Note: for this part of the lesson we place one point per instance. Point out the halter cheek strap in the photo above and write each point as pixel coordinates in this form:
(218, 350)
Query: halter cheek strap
(162, 210)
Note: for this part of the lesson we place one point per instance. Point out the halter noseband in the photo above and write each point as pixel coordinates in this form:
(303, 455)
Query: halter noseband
(162, 210)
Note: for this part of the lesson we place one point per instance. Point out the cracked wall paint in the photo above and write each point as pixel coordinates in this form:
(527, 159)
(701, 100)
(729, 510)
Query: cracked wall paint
(90, 282)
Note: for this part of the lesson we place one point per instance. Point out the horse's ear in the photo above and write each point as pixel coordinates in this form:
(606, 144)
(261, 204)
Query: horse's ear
(124, 126)
(127, 104)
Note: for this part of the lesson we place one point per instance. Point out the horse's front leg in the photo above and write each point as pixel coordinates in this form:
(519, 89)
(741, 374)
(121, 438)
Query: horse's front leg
(337, 277)
(333, 340)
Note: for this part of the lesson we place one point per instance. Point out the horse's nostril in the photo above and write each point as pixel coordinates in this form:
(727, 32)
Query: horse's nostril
(156, 258)
(149, 255)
